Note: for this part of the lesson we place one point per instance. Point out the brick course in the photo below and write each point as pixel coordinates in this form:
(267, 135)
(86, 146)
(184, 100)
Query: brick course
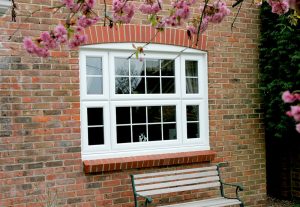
(40, 112)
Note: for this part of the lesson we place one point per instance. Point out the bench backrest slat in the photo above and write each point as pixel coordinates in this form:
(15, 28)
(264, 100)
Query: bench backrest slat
(175, 177)
(176, 183)
(177, 189)
(175, 172)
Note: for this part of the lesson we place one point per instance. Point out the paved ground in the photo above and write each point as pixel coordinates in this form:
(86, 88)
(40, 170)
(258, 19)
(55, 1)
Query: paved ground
(272, 202)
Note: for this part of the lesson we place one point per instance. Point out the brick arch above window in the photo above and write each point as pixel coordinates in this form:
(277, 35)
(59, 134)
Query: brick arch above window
(142, 33)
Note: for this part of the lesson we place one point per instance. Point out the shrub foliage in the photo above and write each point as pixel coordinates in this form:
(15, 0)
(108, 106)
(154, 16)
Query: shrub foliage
(279, 70)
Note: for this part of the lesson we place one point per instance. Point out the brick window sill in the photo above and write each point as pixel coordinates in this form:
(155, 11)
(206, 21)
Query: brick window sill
(125, 163)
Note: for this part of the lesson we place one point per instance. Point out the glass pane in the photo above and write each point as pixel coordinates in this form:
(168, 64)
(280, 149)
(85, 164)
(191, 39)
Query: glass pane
(193, 130)
(95, 116)
(95, 135)
(154, 114)
(123, 115)
(191, 85)
(168, 85)
(121, 66)
(169, 131)
(139, 133)
(191, 68)
(153, 85)
(123, 134)
(169, 113)
(138, 85)
(122, 85)
(94, 85)
(192, 113)
(154, 132)
(137, 67)
(138, 114)
(152, 67)
(93, 65)
(167, 67)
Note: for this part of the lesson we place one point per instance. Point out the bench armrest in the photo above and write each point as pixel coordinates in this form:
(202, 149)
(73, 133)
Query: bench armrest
(136, 195)
(147, 199)
(237, 186)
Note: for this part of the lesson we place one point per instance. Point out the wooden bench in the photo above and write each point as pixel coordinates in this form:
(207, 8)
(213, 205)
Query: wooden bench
(147, 185)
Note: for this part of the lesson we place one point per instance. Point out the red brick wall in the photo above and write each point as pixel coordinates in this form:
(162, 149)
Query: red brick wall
(40, 121)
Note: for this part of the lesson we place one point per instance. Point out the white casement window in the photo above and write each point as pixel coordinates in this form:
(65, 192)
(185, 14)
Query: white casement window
(152, 105)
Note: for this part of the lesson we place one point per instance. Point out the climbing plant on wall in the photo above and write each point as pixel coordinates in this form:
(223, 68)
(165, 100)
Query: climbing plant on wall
(280, 69)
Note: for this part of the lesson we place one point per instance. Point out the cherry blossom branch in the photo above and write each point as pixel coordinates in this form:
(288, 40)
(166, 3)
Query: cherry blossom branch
(200, 24)
(237, 14)
(30, 15)
(140, 49)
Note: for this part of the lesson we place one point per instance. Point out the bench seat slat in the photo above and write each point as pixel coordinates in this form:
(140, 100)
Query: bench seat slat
(175, 172)
(176, 177)
(177, 189)
(177, 183)
(215, 202)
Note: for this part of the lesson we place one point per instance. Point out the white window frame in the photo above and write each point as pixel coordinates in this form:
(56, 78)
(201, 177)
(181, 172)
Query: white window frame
(109, 101)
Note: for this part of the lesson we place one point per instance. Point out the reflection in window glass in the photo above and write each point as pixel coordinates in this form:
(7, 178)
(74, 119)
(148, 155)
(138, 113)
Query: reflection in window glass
(153, 67)
(94, 85)
(192, 114)
(167, 68)
(153, 85)
(191, 72)
(93, 66)
(154, 114)
(169, 113)
(122, 85)
(121, 66)
(167, 85)
(138, 85)
(137, 67)
(150, 76)
(94, 75)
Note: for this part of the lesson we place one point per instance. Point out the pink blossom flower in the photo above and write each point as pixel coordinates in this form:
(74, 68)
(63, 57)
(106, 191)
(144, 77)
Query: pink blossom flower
(295, 112)
(60, 33)
(90, 3)
(34, 49)
(123, 11)
(84, 21)
(77, 40)
(289, 114)
(48, 41)
(150, 7)
(204, 25)
(191, 29)
(298, 128)
(69, 3)
(217, 18)
(279, 7)
(29, 46)
(288, 97)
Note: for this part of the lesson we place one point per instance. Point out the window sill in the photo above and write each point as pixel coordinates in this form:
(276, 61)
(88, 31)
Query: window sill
(125, 163)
